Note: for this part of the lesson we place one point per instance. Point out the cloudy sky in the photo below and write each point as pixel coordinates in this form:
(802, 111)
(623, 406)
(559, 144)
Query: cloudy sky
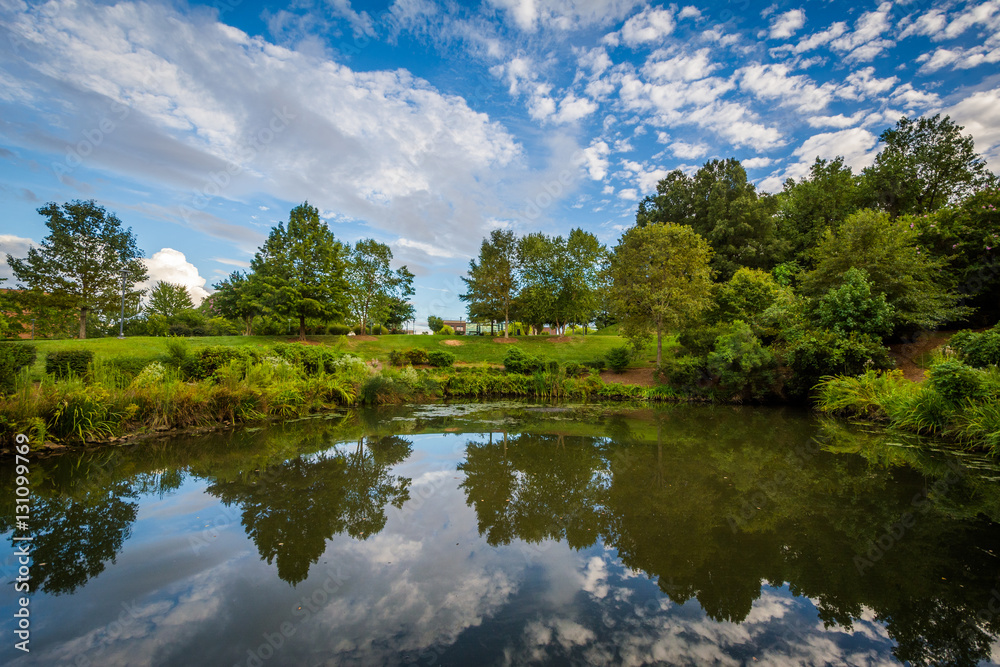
(424, 124)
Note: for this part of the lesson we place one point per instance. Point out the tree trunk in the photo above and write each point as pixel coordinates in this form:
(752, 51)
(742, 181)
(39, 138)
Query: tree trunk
(83, 322)
(302, 327)
(506, 322)
(659, 346)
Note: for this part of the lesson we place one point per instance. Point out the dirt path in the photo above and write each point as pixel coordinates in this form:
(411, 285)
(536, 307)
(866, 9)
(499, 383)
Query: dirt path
(638, 376)
(907, 355)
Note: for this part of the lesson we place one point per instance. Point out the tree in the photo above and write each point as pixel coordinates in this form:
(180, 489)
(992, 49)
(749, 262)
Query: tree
(887, 251)
(301, 269)
(238, 298)
(539, 260)
(853, 308)
(80, 261)
(399, 313)
(581, 283)
(168, 299)
(926, 164)
(721, 206)
(493, 280)
(374, 286)
(434, 323)
(661, 278)
(819, 202)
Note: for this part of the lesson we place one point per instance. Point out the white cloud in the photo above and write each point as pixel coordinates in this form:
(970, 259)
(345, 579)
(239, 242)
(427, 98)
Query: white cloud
(15, 246)
(977, 113)
(863, 83)
(650, 25)
(757, 162)
(821, 38)
(840, 120)
(866, 41)
(785, 25)
(773, 82)
(683, 67)
(912, 98)
(930, 24)
(687, 151)
(171, 266)
(426, 248)
(361, 22)
(629, 194)
(380, 146)
(689, 12)
(528, 15)
(572, 108)
(595, 160)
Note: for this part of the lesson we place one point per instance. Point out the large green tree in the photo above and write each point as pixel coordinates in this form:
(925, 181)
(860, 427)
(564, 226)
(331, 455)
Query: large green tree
(80, 261)
(301, 269)
(492, 282)
(891, 255)
(660, 280)
(925, 164)
(808, 207)
(168, 299)
(238, 297)
(540, 259)
(722, 207)
(375, 288)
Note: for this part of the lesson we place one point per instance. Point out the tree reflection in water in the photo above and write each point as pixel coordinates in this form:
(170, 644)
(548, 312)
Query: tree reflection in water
(290, 509)
(675, 506)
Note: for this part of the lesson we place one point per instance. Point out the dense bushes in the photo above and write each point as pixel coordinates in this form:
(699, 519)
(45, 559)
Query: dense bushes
(441, 359)
(14, 357)
(518, 361)
(618, 358)
(69, 362)
(816, 354)
(978, 349)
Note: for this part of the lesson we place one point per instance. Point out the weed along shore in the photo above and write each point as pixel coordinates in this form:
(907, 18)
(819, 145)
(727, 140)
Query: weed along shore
(68, 393)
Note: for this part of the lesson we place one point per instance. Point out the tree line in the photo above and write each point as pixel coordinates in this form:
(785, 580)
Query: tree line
(75, 280)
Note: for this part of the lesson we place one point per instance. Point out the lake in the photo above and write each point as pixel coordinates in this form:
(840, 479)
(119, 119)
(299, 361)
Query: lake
(513, 533)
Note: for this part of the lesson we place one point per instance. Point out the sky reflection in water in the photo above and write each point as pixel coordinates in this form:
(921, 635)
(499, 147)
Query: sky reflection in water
(492, 534)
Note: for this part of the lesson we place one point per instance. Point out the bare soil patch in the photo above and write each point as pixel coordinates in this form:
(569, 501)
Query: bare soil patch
(453, 342)
(559, 339)
(908, 354)
(642, 377)
(499, 339)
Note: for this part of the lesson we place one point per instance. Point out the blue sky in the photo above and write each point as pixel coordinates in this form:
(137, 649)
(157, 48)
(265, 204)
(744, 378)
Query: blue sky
(425, 124)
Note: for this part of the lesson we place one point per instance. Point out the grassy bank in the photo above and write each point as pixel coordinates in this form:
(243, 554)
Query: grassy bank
(139, 386)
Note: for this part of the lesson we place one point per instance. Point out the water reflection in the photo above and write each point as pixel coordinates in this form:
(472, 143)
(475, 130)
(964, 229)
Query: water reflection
(605, 535)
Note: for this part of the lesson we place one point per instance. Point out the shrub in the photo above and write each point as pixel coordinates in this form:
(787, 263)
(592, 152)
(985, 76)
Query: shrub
(63, 364)
(853, 307)
(816, 354)
(208, 360)
(979, 350)
(152, 375)
(700, 340)
(619, 358)
(446, 331)
(14, 357)
(441, 358)
(518, 361)
(552, 366)
(179, 329)
(338, 329)
(398, 358)
(128, 367)
(742, 363)
(956, 381)
(177, 353)
(417, 356)
(684, 373)
(597, 364)
(574, 369)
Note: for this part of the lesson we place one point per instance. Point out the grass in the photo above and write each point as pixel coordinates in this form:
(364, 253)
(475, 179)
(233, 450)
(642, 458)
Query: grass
(473, 350)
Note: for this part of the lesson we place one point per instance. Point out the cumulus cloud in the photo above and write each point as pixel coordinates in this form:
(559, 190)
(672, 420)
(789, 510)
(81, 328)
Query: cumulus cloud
(785, 25)
(977, 113)
(528, 15)
(171, 266)
(650, 25)
(15, 246)
(855, 145)
(382, 146)
(774, 82)
(687, 151)
(594, 159)
(866, 41)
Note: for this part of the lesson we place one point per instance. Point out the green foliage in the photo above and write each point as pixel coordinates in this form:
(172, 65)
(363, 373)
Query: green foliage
(685, 373)
(722, 207)
(206, 361)
(518, 361)
(619, 358)
(441, 358)
(699, 339)
(338, 329)
(301, 269)
(853, 308)
(978, 349)
(178, 353)
(810, 207)
(895, 265)
(446, 331)
(78, 263)
(127, 366)
(956, 382)
(924, 165)
(167, 299)
(492, 282)
(14, 357)
(238, 297)
(68, 363)
(816, 354)
(660, 280)
(743, 365)
(374, 287)
(398, 358)
(417, 356)
(435, 323)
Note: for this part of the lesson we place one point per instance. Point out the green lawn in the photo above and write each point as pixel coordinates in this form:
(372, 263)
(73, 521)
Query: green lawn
(473, 349)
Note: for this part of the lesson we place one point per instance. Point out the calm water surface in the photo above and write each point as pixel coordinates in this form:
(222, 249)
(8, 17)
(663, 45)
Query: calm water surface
(485, 534)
